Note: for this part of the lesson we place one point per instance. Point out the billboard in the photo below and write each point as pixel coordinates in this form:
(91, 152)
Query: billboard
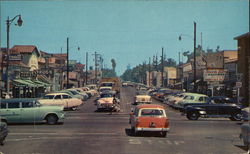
(214, 75)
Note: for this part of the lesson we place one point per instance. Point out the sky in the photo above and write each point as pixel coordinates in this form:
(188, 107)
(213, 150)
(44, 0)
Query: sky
(130, 31)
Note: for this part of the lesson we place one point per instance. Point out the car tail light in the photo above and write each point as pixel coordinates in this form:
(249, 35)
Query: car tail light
(166, 123)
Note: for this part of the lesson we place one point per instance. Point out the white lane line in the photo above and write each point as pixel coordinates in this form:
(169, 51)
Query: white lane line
(134, 141)
(87, 118)
(149, 141)
(64, 133)
(169, 142)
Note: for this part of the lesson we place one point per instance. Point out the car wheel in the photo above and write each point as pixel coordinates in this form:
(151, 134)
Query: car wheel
(236, 117)
(132, 131)
(163, 134)
(193, 116)
(51, 119)
(74, 108)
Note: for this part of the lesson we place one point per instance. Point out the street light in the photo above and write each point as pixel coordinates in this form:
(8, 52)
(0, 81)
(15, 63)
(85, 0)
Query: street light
(195, 86)
(8, 22)
(78, 48)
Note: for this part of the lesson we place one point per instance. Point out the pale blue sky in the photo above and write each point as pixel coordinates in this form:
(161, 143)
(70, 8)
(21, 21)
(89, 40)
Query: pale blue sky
(128, 31)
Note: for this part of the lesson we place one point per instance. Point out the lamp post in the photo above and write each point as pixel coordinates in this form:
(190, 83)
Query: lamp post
(180, 37)
(8, 22)
(78, 48)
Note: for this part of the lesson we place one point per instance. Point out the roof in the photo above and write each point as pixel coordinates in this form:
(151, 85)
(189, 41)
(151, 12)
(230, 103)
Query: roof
(23, 49)
(242, 36)
(149, 106)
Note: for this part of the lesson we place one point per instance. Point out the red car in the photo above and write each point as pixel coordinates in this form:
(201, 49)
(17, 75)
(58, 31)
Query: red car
(149, 118)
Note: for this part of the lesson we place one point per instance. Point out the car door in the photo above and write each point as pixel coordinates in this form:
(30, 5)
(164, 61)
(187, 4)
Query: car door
(212, 108)
(12, 112)
(29, 112)
(67, 101)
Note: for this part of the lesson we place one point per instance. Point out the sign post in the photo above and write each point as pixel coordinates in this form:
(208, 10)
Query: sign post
(238, 86)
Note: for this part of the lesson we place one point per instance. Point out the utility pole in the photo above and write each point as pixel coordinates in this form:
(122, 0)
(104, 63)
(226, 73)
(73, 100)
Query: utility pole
(95, 67)
(195, 86)
(162, 68)
(179, 58)
(86, 74)
(67, 63)
(149, 72)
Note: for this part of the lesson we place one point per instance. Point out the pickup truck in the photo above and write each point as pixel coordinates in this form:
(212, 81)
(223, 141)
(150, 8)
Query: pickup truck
(210, 109)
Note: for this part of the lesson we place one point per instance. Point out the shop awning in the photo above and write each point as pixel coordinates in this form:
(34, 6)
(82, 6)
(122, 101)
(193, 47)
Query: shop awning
(41, 83)
(23, 83)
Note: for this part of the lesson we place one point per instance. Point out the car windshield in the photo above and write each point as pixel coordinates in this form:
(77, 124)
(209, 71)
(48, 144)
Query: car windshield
(189, 97)
(151, 112)
(48, 97)
(106, 95)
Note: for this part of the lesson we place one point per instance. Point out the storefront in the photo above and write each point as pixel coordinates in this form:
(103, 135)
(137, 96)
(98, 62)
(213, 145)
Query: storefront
(26, 88)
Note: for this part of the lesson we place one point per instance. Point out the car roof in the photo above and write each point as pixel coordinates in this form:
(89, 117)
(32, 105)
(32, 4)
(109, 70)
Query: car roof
(60, 93)
(149, 106)
(194, 94)
(17, 100)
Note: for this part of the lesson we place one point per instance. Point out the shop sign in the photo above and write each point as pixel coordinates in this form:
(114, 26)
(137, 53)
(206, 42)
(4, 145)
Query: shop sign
(14, 57)
(214, 75)
(35, 73)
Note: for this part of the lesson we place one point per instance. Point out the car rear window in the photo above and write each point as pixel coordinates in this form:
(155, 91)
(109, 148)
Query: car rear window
(27, 104)
(13, 105)
(48, 97)
(151, 112)
(3, 105)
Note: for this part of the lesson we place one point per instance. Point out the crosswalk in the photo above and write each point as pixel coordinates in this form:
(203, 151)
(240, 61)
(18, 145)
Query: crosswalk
(136, 141)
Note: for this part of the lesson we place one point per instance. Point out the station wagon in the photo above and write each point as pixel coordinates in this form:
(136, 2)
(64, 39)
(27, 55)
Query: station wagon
(29, 111)
(149, 118)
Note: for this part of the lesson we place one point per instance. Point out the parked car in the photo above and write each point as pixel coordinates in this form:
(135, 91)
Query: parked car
(74, 93)
(20, 110)
(245, 135)
(141, 98)
(108, 101)
(211, 109)
(175, 99)
(149, 118)
(3, 132)
(191, 98)
(63, 99)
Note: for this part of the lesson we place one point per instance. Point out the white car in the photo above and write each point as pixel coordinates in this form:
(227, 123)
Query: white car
(107, 101)
(61, 99)
(142, 98)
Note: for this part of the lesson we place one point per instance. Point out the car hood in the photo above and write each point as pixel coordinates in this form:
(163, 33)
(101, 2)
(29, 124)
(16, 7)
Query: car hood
(105, 100)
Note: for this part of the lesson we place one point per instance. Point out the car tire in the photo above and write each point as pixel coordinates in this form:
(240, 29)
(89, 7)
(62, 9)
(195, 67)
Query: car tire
(132, 131)
(163, 134)
(74, 108)
(51, 119)
(236, 117)
(193, 116)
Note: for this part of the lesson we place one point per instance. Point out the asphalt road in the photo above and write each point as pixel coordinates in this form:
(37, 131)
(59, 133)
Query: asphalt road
(91, 132)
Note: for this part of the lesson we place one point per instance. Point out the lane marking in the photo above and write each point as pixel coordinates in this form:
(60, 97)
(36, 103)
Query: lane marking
(149, 141)
(64, 133)
(134, 141)
(170, 143)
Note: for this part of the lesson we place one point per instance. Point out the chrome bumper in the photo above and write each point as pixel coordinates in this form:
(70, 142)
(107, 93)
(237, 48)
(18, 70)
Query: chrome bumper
(152, 129)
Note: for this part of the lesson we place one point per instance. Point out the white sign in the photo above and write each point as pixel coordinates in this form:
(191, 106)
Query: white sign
(238, 84)
(214, 75)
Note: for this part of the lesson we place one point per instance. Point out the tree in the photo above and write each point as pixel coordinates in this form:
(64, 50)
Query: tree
(113, 64)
